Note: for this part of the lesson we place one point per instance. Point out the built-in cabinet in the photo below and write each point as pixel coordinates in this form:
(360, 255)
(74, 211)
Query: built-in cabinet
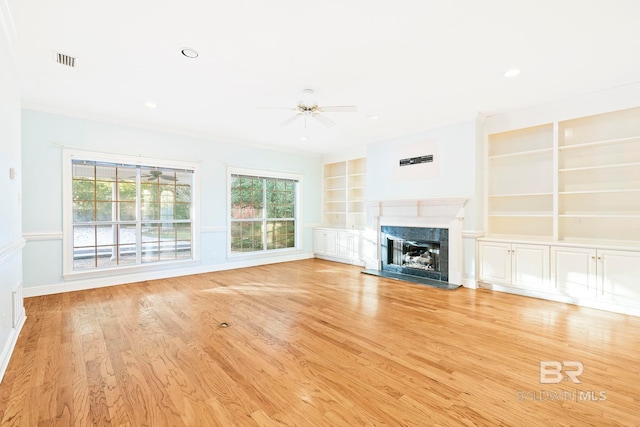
(339, 238)
(338, 245)
(604, 274)
(512, 264)
(572, 188)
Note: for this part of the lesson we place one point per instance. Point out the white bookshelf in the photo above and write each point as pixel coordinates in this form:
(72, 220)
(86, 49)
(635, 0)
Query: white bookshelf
(344, 192)
(599, 177)
(520, 183)
(576, 180)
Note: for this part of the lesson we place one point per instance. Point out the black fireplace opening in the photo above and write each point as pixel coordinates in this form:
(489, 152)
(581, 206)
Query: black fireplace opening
(416, 251)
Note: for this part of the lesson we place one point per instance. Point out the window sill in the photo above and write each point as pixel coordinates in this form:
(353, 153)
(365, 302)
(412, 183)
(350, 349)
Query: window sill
(262, 254)
(111, 272)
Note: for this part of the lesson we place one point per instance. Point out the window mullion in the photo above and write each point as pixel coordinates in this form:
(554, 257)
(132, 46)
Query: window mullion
(138, 217)
(264, 214)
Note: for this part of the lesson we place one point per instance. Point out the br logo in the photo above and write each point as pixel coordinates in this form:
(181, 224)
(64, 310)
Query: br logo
(553, 372)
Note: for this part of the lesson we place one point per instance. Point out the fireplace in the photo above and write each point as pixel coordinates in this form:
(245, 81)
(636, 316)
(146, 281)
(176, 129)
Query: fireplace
(416, 251)
(415, 240)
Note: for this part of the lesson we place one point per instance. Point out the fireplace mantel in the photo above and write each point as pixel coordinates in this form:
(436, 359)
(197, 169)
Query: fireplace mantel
(438, 213)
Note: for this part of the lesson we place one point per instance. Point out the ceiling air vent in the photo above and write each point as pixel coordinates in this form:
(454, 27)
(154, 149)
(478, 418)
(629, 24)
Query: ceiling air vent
(67, 60)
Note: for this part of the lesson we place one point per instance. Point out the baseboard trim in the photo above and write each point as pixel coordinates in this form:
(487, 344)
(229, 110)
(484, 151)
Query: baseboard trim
(7, 351)
(101, 282)
(581, 302)
(470, 283)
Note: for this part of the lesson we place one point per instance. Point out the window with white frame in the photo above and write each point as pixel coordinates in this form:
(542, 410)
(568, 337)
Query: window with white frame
(263, 212)
(126, 214)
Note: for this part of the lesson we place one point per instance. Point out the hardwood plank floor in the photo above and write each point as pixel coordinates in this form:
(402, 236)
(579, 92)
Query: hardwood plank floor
(315, 343)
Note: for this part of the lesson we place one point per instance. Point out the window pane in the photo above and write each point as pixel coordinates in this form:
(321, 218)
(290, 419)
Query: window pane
(183, 211)
(150, 232)
(105, 211)
(166, 205)
(127, 211)
(84, 236)
(150, 192)
(183, 249)
(84, 259)
(106, 234)
(83, 190)
(246, 197)
(150, 242)
(280, 234)
(246, 236)
(127, 191)
(83, 211)
(126, 254)
(94, 246)
(127, 234)
(83, 171)
(107, 257)
(168, 250)
(150, 211)
(183, 232)
(105, 173)
(183, 193)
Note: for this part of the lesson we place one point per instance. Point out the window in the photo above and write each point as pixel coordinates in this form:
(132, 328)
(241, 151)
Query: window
(126, 214)
(263, 213)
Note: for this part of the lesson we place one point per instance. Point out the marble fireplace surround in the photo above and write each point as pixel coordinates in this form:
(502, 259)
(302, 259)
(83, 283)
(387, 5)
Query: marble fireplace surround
(430, 213)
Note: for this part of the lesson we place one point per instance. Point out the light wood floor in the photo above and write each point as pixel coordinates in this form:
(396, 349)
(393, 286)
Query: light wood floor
(315, 343)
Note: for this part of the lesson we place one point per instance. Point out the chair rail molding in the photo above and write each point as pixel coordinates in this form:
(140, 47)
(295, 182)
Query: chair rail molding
(11, 249)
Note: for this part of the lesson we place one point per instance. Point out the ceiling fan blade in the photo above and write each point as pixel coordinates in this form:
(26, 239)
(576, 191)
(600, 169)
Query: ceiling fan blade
(168, 178)
(291, 119)
(276, 108)
(323, 119)
(339, 109)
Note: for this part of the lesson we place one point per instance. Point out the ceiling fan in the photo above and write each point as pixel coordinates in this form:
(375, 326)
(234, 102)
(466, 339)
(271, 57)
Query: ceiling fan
(309, 108)
(157, 174)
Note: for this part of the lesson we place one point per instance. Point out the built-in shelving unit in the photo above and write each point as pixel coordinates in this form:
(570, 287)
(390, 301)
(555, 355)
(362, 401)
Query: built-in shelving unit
(563, 211)
(344, 192)
(572, 181)
(522, 204)
(599, 177)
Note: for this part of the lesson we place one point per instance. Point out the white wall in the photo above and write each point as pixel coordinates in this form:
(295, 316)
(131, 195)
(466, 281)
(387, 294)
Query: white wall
(42, 135)
(456, 171)
(11, 242)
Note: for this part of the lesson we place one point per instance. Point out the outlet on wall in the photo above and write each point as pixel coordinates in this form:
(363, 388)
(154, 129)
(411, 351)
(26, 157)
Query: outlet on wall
(214, 255)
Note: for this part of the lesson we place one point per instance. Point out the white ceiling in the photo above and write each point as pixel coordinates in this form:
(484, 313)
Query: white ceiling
(417, 64)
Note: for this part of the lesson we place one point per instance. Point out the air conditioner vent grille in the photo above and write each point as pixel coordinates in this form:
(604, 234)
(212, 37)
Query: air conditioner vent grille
(67, 60)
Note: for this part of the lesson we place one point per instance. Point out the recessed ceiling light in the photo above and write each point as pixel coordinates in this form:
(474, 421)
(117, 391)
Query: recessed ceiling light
(303, 138)
(372, 117)
(189, 53)
(511, 72)
(150, 105)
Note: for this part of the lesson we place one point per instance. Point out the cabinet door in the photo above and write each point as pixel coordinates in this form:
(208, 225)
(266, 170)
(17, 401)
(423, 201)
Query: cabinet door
(530, 267)
(345, 239)
(495, 262)
(618, 276)
(574, 271)
(324, 242)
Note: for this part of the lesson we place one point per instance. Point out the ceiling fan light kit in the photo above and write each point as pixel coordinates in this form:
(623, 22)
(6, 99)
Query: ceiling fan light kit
(308, 107)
